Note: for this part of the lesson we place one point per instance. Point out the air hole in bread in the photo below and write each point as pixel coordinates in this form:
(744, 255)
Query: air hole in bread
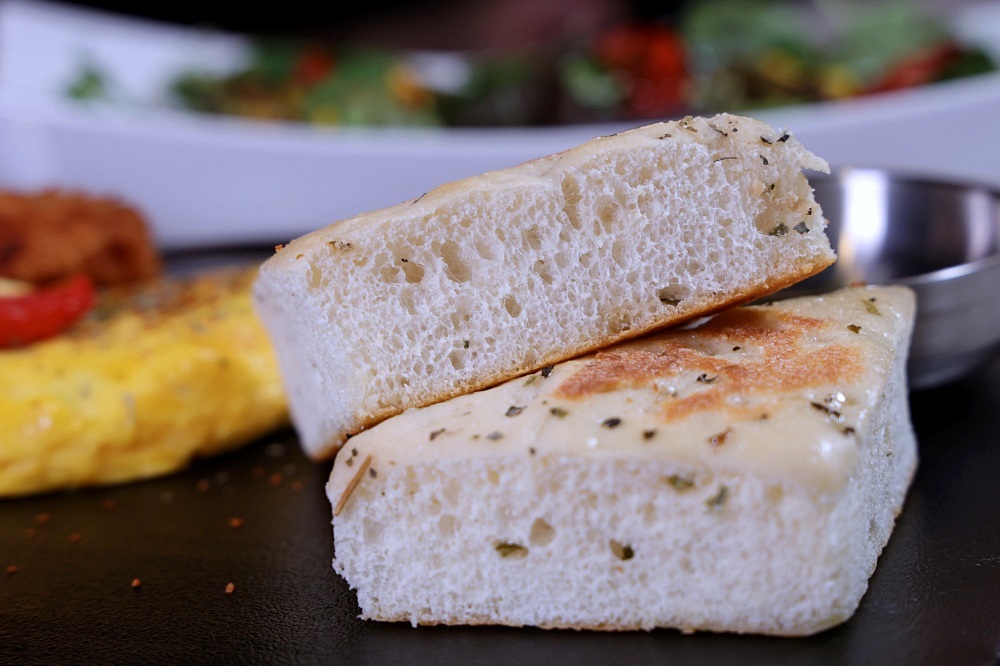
(648, 514)
(775, 494)
(542, 271)
(512, 307)
(391, 274)
(483, 248)
(771, 222)
(371, 530)
(457, 359)
(643, 201)
(414, 272)
(607, 217)
(618, 254)
(618, 323)
(532, 238)
(541, 533)
(493, 477)
(451, 491)
(410, 483)
(671, 295)
(314, 277)
(561, 260)
(446, 525)
(571, 199)
(407, 301)
(456, 269)
(693, 267)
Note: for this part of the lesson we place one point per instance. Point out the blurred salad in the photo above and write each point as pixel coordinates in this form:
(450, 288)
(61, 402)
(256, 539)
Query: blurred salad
(716, 55)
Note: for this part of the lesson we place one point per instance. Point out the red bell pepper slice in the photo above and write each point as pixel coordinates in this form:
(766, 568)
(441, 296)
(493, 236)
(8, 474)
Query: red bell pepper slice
(44, 312)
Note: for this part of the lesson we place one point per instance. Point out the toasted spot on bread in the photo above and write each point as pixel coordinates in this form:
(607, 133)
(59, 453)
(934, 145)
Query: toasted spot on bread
(774, 356)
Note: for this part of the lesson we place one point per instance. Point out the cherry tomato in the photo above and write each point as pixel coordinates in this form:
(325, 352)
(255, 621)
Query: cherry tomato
(651, 60)
(917, 69)
(45, 311)
(312, 66)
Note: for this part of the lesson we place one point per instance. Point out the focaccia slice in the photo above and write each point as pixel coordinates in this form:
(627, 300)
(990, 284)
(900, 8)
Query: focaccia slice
(498, 275)
(742, 475)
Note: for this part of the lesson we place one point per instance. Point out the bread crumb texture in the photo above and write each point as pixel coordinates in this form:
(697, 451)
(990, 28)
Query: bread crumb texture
(498, 275)
(712, 482)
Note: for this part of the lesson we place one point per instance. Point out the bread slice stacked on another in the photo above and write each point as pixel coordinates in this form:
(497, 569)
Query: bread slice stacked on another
(499, 275)
(741, 476)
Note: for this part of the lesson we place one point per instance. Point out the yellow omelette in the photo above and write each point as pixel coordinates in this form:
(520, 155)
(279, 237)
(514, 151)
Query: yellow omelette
(152, 378)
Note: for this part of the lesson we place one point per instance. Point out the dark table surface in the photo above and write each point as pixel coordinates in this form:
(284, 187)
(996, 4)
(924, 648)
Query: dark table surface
(934, 598)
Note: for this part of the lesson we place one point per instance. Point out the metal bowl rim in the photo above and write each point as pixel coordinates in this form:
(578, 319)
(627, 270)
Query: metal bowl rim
(948, 273)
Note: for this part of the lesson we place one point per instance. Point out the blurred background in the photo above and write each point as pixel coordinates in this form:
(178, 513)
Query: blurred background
(257, 123)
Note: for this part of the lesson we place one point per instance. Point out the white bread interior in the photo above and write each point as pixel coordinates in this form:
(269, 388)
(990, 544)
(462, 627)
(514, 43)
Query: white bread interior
(741, 476)
(495, 276)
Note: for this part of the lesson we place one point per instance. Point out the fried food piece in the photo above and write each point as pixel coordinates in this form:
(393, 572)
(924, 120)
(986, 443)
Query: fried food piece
(54, 234)
(153, 377)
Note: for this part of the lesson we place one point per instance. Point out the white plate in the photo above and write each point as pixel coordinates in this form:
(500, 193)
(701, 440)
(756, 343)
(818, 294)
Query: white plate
(211, 181)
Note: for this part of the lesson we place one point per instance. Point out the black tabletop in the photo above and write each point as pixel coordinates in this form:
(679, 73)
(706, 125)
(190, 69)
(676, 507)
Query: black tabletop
(139, 573)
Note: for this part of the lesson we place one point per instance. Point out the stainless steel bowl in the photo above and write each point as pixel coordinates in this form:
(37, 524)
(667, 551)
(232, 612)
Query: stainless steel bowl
(942, 239)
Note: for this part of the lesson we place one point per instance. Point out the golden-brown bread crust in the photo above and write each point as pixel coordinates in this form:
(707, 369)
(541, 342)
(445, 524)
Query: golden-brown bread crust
(780, 364)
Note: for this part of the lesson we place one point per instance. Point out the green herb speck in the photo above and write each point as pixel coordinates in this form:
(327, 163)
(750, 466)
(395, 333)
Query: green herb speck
(718, 499)
(870, 306)
(621, 550)
(507, 549)
(680, 483)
